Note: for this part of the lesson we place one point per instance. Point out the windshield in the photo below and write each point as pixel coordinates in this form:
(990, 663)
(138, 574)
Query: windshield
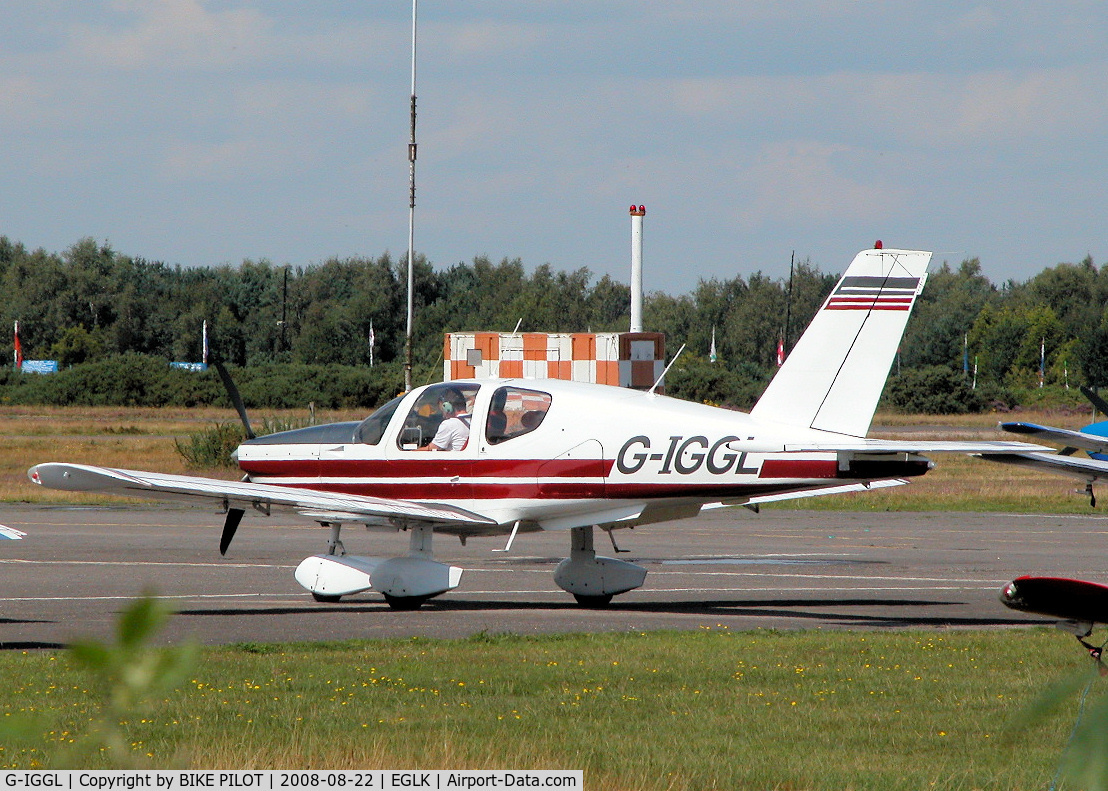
(373, 427)
(448, 403)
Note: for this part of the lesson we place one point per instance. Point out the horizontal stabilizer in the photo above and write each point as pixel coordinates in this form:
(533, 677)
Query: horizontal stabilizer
(1093, 443)
(1086, 469)
(846, 489)
(11, 532)
(863, 445)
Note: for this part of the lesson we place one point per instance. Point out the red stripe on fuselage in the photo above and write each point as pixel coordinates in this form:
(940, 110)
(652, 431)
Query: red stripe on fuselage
(559, 491)
(429, 468)
(799, 468)
(537, 479)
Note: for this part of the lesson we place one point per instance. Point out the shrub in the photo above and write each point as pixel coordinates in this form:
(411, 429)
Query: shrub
(212, 447)
(933, 390)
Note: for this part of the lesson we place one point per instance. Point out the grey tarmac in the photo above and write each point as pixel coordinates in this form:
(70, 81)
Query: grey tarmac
(781, 569)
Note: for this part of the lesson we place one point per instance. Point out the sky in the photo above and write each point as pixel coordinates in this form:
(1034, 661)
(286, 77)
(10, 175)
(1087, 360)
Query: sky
(202, 133)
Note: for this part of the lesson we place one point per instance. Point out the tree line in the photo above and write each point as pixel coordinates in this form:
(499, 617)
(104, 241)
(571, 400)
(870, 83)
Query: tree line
(91, 305)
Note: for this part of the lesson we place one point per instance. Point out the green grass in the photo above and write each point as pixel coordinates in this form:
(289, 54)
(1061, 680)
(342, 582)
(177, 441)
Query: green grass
(701, 710)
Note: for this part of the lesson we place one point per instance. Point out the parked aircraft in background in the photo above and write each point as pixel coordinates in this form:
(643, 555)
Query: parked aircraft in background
(574, 457)
(1093, 439)
(1076, 604)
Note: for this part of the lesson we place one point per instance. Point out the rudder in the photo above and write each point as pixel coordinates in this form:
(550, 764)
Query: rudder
(833, 378)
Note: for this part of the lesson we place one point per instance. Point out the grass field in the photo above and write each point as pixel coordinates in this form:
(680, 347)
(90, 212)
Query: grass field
(702, 710)
(109, 436)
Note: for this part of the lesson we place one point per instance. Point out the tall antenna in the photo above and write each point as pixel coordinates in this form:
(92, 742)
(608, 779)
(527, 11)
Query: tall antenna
(789, 304)
(284, 306)
(411, 215)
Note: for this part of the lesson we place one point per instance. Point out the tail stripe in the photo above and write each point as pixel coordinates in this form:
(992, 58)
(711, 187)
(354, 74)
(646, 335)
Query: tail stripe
(874, 293)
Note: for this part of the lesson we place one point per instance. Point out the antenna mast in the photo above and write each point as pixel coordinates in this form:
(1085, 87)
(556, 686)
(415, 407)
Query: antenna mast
(411, 215)
(789, 304)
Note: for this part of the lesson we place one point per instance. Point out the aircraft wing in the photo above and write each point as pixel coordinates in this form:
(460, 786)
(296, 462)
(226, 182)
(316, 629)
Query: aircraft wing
(1086, 469)
(10, 532)
(1074, 439)
(863, 445)
(317, 505)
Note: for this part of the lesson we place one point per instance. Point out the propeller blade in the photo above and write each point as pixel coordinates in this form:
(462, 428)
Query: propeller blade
(232, 391)
(234, 516)
(1095, 399)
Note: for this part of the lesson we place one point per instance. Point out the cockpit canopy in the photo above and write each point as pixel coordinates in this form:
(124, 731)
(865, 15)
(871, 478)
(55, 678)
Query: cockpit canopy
(511, 412)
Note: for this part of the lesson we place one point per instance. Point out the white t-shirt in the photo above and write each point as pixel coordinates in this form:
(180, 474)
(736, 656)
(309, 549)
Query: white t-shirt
(453, 433)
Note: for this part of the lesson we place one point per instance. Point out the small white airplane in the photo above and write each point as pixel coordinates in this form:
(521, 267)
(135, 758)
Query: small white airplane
(560, 455)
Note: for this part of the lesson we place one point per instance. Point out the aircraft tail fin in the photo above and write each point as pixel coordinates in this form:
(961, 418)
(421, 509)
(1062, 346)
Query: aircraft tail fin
(834, 376)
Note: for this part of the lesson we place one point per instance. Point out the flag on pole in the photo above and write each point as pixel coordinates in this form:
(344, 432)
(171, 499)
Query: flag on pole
(712, 351)
(780, 352)
(1042, 361)
(204, 358)
(18, 349)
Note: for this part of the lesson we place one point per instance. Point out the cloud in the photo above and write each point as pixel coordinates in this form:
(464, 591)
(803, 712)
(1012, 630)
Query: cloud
(812, 120)
(174, 33)
(485, 39)
(924, 107)
(811, 181)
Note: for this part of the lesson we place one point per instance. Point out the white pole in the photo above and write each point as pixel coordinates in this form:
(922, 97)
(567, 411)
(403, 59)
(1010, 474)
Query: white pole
(411, 216)
(637, 214)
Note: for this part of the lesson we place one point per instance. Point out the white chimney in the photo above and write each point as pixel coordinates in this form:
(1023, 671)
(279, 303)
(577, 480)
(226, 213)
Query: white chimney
(637, 213)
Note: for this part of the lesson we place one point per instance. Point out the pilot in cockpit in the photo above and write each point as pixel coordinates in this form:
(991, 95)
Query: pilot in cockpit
(453, 431)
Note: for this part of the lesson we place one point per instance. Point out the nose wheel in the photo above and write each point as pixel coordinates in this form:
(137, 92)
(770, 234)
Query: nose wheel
(405, 603)
(593, 602)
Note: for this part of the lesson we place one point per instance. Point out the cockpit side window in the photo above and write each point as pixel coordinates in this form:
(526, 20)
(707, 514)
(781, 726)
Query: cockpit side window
(515, 412)
(370, 430)
(435, 406)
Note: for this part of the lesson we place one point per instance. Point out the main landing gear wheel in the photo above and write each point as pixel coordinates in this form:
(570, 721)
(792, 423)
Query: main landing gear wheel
(325, 598)
(405, 603)
(593, 602)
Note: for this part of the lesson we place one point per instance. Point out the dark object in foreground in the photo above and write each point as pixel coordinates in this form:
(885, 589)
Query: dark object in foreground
(1077, 603)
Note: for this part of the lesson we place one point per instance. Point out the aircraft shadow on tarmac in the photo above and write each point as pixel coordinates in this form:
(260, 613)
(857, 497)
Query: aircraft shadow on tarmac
(23, 620)
(30, 645)
(898, 616)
